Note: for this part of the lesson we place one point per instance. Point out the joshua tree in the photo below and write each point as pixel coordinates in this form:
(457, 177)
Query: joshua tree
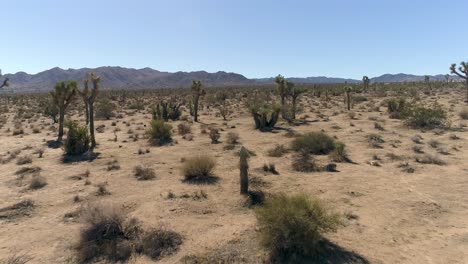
(89, 97)
(6, 81)
(348, 90)
(197, 91)
(447, 78)
(295, 92)
(427, 80)
(462, 74)
(62, 96)
(365, 82)
(244, 171)
(166, 111)
(282, 89)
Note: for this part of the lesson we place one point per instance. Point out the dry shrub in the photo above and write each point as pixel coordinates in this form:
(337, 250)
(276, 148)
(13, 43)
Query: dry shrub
(317, 143)
(339, 154)
(464, 113)
(23, 208)
(160, 242)
(291, 227)
(430, 159)
(214, 135)
(304, 162)
(184, 128)
(277, 151)
(232, 138)
(16, 258)
(37, 182)
(199, 169)
(107, 234)
(160, 133)
(144, 173)
(24, 160)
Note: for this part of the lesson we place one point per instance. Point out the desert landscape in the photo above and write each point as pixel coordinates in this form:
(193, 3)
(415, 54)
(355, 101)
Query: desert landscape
(233, 132)
(394, 172)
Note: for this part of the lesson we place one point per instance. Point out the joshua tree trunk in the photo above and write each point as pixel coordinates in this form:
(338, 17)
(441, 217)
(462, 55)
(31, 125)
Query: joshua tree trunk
(86, 111)
(244, 173)
(195, 108)
(61, 120)
(91, 124)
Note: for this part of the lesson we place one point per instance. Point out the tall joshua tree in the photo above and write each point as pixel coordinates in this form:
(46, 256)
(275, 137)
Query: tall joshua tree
(244, 171)
(348, 90)
(282, 89)
(62, 96)
(6, 81)
(462, 72)
(197, 91)
(365, 82)
(89, 97)
(295, 93)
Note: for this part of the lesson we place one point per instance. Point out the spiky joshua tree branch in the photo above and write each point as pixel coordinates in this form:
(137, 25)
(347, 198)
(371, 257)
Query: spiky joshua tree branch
(462, 72)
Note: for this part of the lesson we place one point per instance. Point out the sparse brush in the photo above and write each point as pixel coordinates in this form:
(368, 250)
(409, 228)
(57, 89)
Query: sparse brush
(144, 173)
(102, 189)
(199, 169)
(17, 258)
(339, 154)
(160, 242)
(430, 159)
(277, 151)
(464, 113)
(214, 135)
(418, 149)
(232, 138)
(37, 182)
(433, 143)
(304, 162)
(113, 165)
(160, 133)
(24, 160)
(184, 128)
(291, 227)
(378, 126)
(317, 143)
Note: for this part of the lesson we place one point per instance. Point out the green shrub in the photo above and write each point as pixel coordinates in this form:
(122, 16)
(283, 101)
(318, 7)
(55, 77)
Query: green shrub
(277, 151)
(160, 132)
(78, 139)
(317, 143)
(292, 226)
(105, 109)
(420, 116)
(199, 169)
(339, 154)
(397, 108)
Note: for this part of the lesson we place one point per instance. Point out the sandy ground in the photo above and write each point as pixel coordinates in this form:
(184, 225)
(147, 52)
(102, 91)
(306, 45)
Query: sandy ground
(397, 217)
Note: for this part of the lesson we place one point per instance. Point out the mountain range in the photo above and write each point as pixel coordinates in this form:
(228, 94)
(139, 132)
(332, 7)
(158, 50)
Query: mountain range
(128, 78)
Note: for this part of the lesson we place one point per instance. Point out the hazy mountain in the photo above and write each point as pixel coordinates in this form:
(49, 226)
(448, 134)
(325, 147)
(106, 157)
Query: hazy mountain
(127, 78)
(119, 77)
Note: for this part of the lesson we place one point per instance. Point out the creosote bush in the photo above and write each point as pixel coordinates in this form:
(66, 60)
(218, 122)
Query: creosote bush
(144, 173)
(339, 154)
(317, 143)
(78, 140)
(199, 169)
(159, 133)
(427, 117)
(291, 227)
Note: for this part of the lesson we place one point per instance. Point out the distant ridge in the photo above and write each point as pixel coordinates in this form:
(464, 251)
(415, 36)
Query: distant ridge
(128, 78)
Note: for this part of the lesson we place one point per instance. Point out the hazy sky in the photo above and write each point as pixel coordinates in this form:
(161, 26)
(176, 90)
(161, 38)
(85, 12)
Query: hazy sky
(257, 38)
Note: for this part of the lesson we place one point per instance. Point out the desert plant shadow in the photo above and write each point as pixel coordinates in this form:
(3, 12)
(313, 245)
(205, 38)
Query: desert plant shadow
(202, 180)
(88, 156)
(54, 144)
(332, 253)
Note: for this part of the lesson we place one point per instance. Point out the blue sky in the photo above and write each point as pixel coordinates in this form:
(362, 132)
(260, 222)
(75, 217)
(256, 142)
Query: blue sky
(342, 38)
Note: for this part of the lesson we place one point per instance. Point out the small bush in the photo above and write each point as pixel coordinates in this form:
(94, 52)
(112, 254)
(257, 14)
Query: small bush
(304, 162)
(107, 234)
(160, 133)
(420, 116)
(397, 108)
(160, 242)
(339, 154)
(113, 165)
(214, 135)
(24, 160)
(37, 182)
(232, 138)
(317, 143)
(430, 159)
(277, 151)
(144, 173)
(78, 139)
(292, 226)
(184, 128)
(199, 169)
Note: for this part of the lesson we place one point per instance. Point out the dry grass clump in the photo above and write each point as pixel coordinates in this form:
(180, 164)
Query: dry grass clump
(430, 159)
(144, 173)
(214, 135)
(184, 128)
(159, 133)
(37, 182)
(277, 151)
(199, 169)
(113, 165)
(317, 143)
(339, 154)
(304, 162)
(16, 258)
(291, 227)
(232, 138)
(109, 235)
(23, 208)
(24, 160)
(27, 170)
